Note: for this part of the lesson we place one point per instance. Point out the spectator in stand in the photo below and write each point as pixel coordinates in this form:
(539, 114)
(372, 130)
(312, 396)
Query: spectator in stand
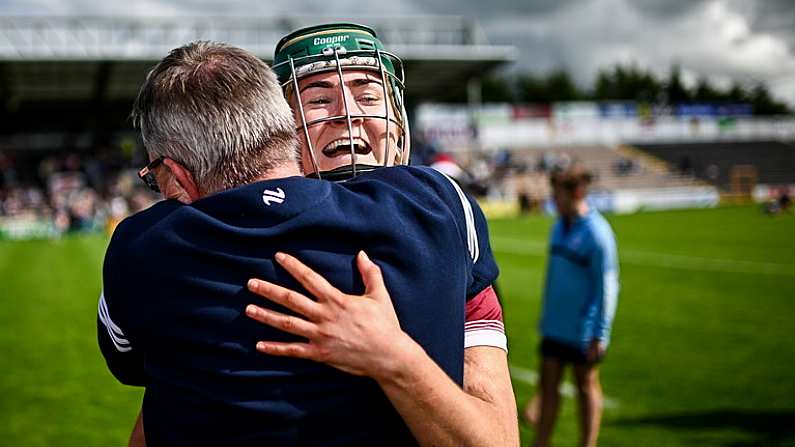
(446, 164)
(624, 166)
(784, 200)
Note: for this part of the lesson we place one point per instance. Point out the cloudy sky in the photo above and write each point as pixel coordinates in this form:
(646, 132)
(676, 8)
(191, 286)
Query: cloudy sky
(745, 40)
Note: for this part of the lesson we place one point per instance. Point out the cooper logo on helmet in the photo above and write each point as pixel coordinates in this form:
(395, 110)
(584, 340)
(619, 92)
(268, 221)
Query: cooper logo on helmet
(330, 40)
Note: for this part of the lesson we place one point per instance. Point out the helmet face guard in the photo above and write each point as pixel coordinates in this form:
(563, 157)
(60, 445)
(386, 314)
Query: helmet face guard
(338, 49)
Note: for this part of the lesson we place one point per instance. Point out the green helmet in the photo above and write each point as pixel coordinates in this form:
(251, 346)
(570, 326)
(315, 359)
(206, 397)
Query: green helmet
(338, 48)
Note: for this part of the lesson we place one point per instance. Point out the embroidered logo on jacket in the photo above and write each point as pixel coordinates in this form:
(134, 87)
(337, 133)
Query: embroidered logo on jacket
(269, 196)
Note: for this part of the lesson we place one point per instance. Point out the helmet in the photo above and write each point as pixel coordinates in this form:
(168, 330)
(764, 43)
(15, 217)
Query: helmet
(338, 48)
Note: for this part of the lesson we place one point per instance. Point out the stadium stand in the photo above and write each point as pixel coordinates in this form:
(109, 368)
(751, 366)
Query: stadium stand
(614, 168)
(68, 153)
(773, 162)
(45, 194)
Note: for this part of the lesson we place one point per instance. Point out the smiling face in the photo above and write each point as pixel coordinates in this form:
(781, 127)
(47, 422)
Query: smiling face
(322, 99)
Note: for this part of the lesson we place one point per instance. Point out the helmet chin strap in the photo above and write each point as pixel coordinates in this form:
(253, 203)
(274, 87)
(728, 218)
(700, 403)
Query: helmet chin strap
(343, 173)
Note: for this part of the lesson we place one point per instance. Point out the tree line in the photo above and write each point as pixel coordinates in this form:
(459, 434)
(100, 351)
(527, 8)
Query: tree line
(627, 83)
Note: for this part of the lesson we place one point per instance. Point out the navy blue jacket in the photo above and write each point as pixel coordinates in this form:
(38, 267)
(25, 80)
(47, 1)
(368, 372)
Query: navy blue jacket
(171, 317)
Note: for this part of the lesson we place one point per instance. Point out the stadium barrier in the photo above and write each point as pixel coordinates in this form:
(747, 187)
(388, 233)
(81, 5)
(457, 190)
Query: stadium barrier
(457, 128)
(622, 201)
(634, 200)
(24, 229)
(764, 193)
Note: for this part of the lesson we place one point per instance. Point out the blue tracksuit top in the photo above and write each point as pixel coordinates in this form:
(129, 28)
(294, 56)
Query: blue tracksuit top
(581, 290)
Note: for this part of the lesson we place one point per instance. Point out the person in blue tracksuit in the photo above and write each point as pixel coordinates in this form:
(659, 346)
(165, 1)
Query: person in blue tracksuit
(580, 297)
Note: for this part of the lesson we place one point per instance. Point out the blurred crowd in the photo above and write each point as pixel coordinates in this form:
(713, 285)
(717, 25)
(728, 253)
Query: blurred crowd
(520, 177)
(51, 194)
(46, 195)
(482, 174)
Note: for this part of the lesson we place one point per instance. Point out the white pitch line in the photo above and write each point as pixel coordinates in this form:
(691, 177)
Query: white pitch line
(530, 377)
(653, 259)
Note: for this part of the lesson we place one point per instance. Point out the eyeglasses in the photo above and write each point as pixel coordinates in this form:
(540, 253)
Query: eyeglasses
(147, 173)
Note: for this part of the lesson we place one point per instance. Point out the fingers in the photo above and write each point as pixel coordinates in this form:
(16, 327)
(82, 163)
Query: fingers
(371, 276)
(313, 282)
(297, 350)
(286, 323)
(286, 297)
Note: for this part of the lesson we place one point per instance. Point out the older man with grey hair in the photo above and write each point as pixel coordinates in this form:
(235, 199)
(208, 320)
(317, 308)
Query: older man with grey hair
(221, 142)
(216, 138)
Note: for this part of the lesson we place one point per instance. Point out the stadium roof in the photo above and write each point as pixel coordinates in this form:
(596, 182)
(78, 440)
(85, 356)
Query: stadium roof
(105, 59)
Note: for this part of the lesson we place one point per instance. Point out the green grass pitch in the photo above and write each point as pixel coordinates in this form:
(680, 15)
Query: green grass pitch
(703, 348)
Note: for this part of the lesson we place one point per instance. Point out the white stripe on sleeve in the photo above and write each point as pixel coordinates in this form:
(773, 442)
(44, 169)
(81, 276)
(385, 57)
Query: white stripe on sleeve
(610, 295)
(485, 333)
(485, 337)
(114, 331)
(469, 216)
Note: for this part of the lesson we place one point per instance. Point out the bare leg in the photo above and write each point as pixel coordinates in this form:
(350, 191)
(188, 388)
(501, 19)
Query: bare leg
(137, 438)
(551, 373)
(589, 392)
(532, 411)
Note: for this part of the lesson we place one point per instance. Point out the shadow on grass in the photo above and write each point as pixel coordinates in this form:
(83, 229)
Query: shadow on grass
(764, 428)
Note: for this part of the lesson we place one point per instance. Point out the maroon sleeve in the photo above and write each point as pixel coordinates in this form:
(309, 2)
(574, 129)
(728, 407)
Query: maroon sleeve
(484, 325)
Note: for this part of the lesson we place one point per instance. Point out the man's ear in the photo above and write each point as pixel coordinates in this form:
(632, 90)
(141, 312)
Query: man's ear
(184, 189)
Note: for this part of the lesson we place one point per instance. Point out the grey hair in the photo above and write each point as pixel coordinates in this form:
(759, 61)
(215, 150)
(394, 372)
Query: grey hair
(219, 111)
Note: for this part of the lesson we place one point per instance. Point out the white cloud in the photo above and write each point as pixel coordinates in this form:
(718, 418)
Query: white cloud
(711, 39)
